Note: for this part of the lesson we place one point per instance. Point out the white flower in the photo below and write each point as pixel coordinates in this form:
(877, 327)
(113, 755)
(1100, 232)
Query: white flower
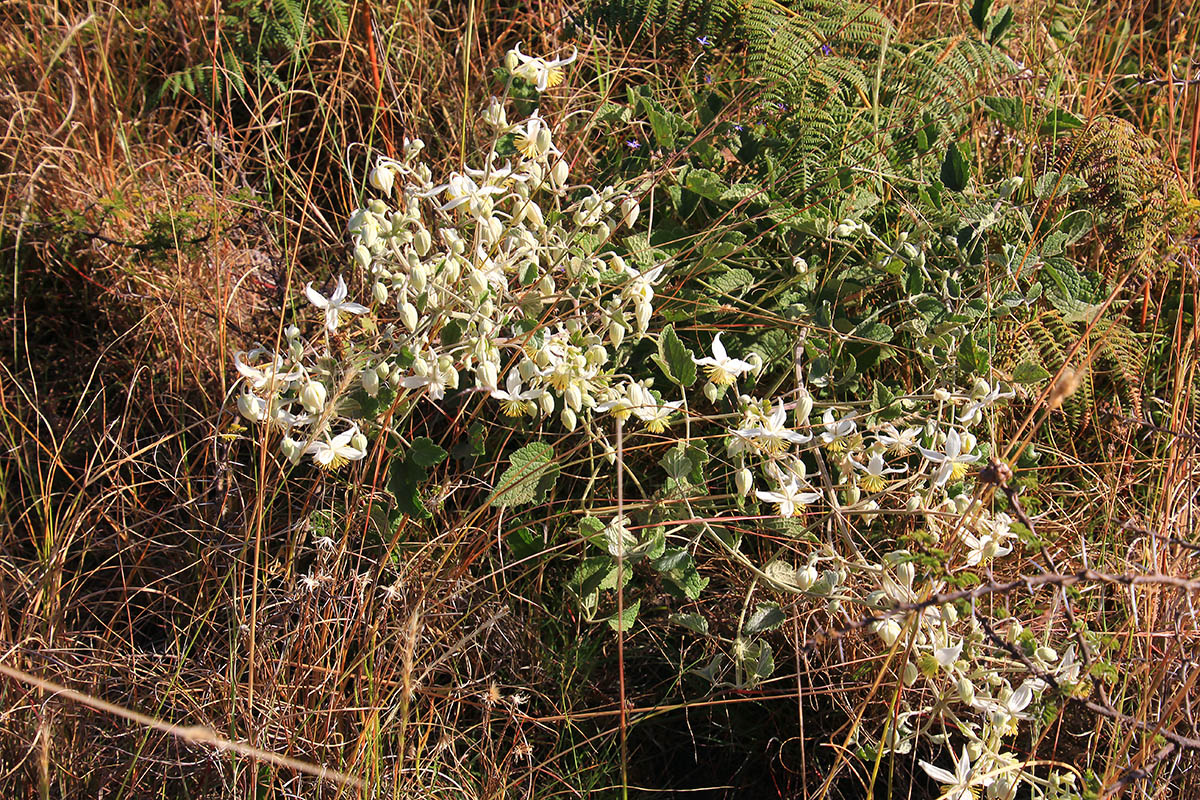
(723, 370)
(790, 497)
(461, 190)
(974, 410)
(541, 73)
(959, 784)
(773, 434)
(349, 445)
(1006, 711)
(953, 461)
(654, 414)
(516, 401)
(837, 429)
(873, 480)
(260, 377)
(898, 442)
(987, 546)
(533, 139)
(334, 304)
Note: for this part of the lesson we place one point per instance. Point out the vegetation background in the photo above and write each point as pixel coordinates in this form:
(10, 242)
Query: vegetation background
(174, 172)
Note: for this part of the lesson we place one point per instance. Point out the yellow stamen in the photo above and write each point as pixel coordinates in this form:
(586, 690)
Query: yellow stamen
(720, 376)
(873, 483)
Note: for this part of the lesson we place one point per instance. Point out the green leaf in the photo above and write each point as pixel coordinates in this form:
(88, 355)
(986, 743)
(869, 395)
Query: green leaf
(954, 173)
(532, 473)
(693, 622)
(592, 530)
(1007, 110)
(1058, 123)
(624, 622)
(425, 453)
(1028, 372)
(972, 359)
(523, 543)
(676, 462)
(731, 280)
(980, 10)
(662, 122)
(681, 366)
(405, 479)
(873, 332)
(1000, 26)
(679, 569)
(707, 184)
(766, 617)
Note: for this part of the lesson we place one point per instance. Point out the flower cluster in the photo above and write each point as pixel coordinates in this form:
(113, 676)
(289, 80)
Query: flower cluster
(503, 279)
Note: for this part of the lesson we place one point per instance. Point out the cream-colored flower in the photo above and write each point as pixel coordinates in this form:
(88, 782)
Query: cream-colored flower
(335, 304)
(542, 73)
(723, 370)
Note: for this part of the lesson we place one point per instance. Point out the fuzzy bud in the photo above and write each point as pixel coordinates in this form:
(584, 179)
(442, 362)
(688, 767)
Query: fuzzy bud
(362, 256)
(313, 396)
(966, 690)
(382, 178)
(252, 407)
(370, 382)
(408, 315)
(744, 480)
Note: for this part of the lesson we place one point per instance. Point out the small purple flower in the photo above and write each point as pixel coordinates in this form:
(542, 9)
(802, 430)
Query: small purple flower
(704, 41)
(826, 50)
(633, 144)
(738, 128)
(708, 77)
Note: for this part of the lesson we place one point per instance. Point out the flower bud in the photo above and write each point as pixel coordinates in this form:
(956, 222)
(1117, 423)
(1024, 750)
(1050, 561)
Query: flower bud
(370, 381)
(558, 174)
(569, 420)
(487, 375)
(573, 397)
(889, 631)
(804, 405)
(711, 391)
(1046, 654)
(422, 242)
(805, 578)
(382, 178)
(252, 407)
(419, 278)
(629, 211)
(379, 292)
(941, 395)
(744, 480)
(408, 315)
(616, 331)
(799, 264)
(477, 281)
(359, 442)
(546, 401)
(910, 674)
(291, 449)
(313, 396)
(362, 256)
(511, 60)
(966, 690)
